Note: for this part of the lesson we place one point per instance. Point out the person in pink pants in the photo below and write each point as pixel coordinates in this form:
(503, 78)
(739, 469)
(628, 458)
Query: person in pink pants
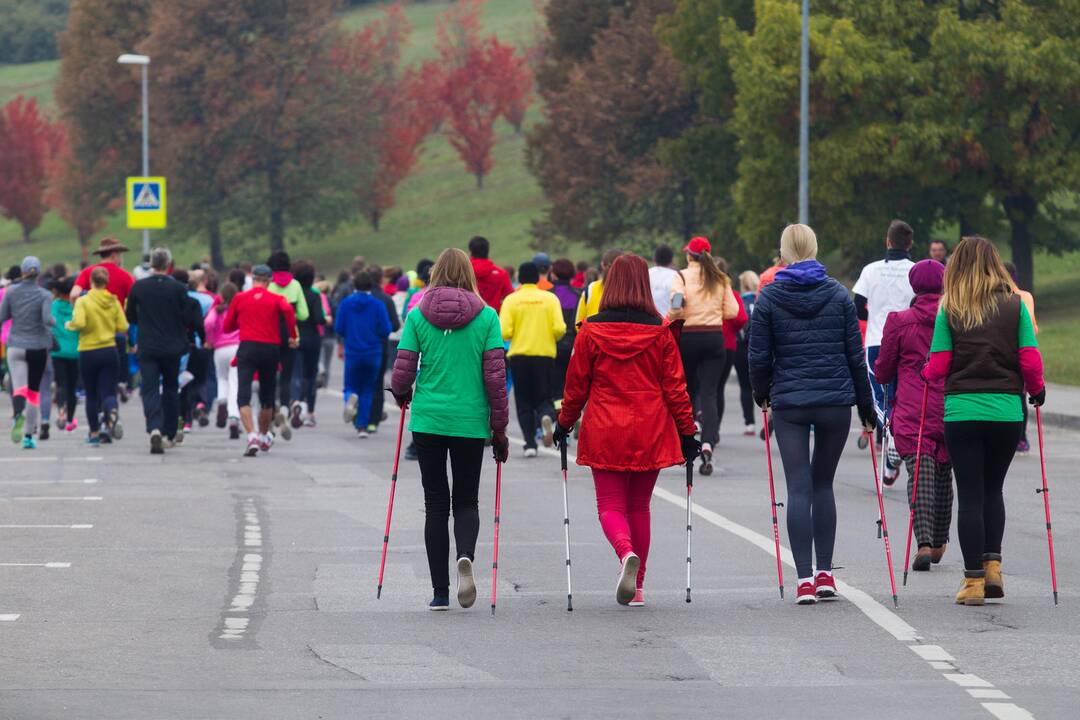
(626, 366)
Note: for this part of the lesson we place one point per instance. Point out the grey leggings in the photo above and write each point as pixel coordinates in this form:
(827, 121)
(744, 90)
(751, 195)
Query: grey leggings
(27, 370)
(811, 507)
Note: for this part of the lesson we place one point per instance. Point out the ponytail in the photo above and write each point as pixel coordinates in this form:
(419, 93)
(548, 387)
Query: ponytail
(712, 275)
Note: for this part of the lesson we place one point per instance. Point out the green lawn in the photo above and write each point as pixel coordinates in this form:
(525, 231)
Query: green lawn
(34, 80)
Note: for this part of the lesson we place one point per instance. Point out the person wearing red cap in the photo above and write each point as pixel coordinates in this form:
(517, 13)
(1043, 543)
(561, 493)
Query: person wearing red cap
(701, 296)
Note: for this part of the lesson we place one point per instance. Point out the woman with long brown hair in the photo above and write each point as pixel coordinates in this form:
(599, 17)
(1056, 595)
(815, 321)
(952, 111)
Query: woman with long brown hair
(984, 349)
(460, 402)
(626, 366)
(702, 297)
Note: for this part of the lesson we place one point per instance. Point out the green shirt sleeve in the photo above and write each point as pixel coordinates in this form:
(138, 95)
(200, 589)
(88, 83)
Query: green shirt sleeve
(1026, 329)
(494, 339)
(942, 335)
(409, 339)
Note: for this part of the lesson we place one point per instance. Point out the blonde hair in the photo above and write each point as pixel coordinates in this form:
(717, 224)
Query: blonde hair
(453, 269)
(975, 283)
(99, 277)
(749, 281)
(797, 243)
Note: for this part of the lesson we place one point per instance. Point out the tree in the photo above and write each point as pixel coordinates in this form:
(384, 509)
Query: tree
(597, 155)
(73, 196)
(471, 98)
(513, 81)
(28, 142)
(1010, 72)
(28, 29)
(99, 101)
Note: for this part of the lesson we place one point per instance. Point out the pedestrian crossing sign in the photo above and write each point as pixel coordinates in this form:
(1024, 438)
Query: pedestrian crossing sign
(145, 203)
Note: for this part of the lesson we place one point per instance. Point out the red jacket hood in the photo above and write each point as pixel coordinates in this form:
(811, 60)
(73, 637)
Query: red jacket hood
(624, 340)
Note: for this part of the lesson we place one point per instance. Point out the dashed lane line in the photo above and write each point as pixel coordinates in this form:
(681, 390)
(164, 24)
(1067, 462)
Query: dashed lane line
(48, 458)
(86, 481)
(77, 526)
(34, 498)
(51, 565)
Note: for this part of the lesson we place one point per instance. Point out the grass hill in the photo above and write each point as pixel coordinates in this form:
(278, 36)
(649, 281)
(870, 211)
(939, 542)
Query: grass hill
(438, 206)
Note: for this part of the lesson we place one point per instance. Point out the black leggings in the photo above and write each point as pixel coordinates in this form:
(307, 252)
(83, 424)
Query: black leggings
(261, 358)
(703, 357)
(99, 380)
(725, 373)
(466, 460)
(981, 453)
(67, 382)
(746, 393)
(309, 371)
(287, 358)
(811, 507)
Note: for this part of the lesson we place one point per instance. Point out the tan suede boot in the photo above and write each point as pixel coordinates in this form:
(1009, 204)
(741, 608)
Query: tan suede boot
(972, 592)
(995, 586)
(937, 553)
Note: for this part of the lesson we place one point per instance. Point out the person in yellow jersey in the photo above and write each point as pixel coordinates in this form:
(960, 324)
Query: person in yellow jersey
(532, 321)
(590, 299)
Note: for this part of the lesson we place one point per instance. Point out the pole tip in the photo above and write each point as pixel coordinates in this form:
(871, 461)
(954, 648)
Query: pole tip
(905, 578)
(687, 594)
(1055, 597)
(492, 611)
(378, 595)
(781, 592)
(895, 601)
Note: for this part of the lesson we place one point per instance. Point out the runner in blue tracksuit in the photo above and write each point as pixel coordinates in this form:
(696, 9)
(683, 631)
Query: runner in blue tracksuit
(363, 324)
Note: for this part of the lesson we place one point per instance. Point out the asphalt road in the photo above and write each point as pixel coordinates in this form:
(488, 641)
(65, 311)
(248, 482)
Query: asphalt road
(206, 585)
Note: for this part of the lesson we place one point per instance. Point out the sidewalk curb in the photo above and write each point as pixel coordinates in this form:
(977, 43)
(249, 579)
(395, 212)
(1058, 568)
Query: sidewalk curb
(1059, 420)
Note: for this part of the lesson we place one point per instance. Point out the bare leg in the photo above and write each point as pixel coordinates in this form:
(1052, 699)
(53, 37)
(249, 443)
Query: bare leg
(265, 416)
(246, 419)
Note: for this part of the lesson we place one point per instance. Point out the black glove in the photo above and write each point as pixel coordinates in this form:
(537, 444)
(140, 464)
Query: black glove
(500, 446)
(762, 401)
(403, 399)
(868, 416)
(1038, 398)
(691, 447)
(560, 435)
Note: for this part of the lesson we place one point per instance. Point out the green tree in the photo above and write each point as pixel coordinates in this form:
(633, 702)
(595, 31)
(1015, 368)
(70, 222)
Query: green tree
(1010, 72)
(99, 103)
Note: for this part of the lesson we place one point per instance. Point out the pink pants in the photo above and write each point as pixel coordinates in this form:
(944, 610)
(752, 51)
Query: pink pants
(622, 501)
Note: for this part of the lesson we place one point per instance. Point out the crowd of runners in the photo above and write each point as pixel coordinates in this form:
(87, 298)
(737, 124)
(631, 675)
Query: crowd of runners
(626, 362)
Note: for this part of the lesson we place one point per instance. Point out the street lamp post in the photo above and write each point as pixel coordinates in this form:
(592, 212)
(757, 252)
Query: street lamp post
(804, 118)
(144, 62)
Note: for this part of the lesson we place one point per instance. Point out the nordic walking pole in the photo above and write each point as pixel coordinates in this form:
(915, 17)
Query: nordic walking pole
(1045, 491)
(566, 528)
(884, 526)
(772, 501)
(495, 558)
(915, 482)
(390, 506)
(884, 445)
(689, 526)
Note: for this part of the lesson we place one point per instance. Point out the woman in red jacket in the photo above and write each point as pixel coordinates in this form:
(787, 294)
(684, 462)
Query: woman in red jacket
(626, 366)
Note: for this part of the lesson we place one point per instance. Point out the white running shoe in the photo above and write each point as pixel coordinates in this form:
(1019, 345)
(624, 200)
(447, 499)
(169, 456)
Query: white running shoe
(351, 407)
(627, 587)
(252, 448)
(530, 452)
(466, 592)
(363, 434)
(547, 425)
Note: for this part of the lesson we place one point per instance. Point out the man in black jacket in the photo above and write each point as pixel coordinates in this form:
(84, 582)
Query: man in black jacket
(159, 306)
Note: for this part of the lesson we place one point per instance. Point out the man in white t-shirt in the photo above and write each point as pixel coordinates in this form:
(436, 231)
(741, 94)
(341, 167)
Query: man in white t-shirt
(882, 288)
(661, 276)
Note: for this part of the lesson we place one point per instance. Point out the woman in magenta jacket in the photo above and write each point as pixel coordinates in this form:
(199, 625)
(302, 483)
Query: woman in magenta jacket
(905, 347)
(626, 366)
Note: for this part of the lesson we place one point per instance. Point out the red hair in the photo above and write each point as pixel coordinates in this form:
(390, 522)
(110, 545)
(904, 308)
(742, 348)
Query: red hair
(627, 286)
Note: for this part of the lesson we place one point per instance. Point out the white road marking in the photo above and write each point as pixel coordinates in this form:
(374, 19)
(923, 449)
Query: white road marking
(86, 526)
(42, 565)
(9, 617)
(985, 694)
(236, 624)
(967, 680)
(47, 458)
(87, 481)
(942, 665)
(931, 652)
(1008, 711)
(33, 498)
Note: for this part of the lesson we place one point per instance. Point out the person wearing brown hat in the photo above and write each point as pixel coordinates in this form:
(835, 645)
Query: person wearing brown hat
(111, 251)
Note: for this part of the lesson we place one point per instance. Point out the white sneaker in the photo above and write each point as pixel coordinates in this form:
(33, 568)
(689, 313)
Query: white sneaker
(363, 434)
(547, 427)
(627, 587)
(750, 430)
(466, 593)
(351, 406)
(530, 452)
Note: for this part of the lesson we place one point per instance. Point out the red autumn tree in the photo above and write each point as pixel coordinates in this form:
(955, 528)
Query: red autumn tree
(28, 141)
(513, 79)
(471, 97)
(74, 196)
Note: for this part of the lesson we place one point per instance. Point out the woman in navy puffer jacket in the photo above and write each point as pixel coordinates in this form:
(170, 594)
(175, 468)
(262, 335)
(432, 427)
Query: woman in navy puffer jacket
(807, 365)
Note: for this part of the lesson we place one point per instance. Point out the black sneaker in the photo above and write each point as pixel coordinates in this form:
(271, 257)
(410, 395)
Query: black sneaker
(222, 415)
(234, 432)
(439, 603)
(410, 452)
(201, 416)
(157, 445)
(296, 418)
(43, 431)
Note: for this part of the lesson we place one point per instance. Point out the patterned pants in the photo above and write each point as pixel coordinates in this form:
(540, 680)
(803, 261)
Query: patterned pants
(934, 500)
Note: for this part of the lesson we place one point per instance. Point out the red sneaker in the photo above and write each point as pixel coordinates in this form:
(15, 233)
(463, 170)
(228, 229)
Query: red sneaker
(806, 594)
(639, 599)
(825, 586)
